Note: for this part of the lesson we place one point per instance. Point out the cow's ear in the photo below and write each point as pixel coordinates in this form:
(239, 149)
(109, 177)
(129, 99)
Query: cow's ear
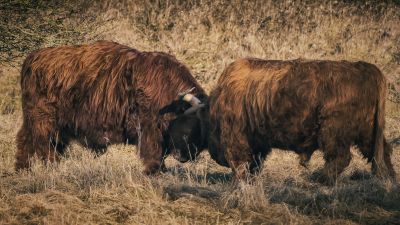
(178, 107)
(167, 109)
(202, 97)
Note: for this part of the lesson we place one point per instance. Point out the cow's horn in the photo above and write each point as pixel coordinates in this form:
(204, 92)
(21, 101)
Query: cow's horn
(191, 99)
(186, 92)
(193, 109)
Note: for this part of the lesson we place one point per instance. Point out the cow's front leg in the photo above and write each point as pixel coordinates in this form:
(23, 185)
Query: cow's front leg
(150, 149)
(240, 155)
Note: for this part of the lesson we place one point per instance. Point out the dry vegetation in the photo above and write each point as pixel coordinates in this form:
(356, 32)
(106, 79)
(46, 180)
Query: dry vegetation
(206, 35)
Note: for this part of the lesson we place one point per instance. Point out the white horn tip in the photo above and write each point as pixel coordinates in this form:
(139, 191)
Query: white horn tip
(188, 97)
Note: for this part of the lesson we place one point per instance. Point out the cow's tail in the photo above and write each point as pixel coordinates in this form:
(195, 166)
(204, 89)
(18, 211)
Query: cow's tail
(379, 164)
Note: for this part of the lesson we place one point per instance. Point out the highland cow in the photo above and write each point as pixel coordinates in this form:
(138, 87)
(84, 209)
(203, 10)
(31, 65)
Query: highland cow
(296, 105)
(98, 94)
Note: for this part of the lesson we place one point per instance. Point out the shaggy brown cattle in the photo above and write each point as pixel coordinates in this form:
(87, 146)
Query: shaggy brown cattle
(295, 105)
(99, 94)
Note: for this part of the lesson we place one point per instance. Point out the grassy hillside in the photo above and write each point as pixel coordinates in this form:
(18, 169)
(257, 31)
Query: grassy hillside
(206, 35)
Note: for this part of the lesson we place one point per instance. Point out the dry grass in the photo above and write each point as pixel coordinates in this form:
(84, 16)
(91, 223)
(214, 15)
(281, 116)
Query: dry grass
(206, 35)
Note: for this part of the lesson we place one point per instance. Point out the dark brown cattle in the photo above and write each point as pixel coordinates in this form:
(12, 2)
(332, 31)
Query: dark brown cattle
(99, 94)
(296, 105)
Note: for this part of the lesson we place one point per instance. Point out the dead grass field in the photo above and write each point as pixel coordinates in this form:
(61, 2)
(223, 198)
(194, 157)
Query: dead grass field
(206, 35)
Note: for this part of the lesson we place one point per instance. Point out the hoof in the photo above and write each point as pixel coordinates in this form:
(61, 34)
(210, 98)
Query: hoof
(22, 166)
(304, 159)
(304, 164)
(322, 178)
(153, 168)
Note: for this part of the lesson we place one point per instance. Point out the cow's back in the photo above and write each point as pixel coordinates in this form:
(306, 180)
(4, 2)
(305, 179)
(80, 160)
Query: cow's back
(99, 89)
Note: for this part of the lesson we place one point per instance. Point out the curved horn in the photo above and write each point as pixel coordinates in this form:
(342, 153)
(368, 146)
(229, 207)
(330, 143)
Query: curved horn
(193, 109)
(194, 101)
(191, 99)
(186, 92)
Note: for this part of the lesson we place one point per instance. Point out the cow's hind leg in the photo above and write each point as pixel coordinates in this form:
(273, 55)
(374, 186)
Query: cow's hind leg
(25, 149)
(388, 162)
(336, 147)
(387, 157)
(36, 135)
(366, 147)
(304, 158)
(35, 141)
(336, 160)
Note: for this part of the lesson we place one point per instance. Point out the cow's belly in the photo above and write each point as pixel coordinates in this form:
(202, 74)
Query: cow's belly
(295, 129)
(298, 143)
(98, 139)
(295, 138)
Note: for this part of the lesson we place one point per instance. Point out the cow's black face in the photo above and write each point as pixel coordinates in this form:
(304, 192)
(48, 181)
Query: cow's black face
(185, 137)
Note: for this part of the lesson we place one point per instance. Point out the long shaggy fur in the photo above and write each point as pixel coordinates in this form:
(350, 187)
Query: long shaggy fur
(301, 106)
(99, 94)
